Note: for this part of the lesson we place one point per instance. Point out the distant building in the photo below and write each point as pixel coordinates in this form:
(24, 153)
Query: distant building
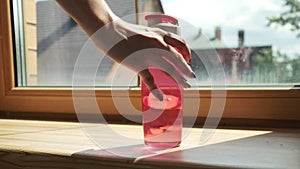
(200, 41)
(236, 61)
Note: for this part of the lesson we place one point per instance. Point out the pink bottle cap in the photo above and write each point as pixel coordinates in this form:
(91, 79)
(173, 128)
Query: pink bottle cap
(163, 18)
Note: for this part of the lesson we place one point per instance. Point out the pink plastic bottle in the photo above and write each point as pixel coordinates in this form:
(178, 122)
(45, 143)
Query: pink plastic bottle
(162, 120)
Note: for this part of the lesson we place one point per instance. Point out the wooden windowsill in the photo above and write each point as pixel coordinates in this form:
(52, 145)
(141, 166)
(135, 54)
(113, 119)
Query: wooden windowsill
(39, 144)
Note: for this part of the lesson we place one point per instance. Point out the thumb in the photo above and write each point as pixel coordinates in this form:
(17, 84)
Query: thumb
(148, 79)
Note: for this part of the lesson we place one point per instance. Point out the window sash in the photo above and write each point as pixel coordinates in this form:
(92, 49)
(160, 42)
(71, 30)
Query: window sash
(271, 104)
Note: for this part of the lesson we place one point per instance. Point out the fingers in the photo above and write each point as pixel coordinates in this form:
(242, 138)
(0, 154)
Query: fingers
(177, 42)
(169, 69)
(176, 58)
(179, 53)
(180, 46)
(149, 81)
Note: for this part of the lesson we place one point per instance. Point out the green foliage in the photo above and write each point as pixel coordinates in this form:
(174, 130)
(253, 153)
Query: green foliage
(283, 67)
(295, 65)
(264, 60)
(287, 69)
(263, 68)
(276, 67)
(290, 17)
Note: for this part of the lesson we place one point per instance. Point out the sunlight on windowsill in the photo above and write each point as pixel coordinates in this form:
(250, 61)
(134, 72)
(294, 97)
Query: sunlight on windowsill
(120, 143)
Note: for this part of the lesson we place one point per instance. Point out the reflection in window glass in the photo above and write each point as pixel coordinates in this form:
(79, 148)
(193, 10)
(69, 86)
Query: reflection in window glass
(256, 46)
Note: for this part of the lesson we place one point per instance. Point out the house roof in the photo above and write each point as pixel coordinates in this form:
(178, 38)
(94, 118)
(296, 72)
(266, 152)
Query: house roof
(199, 41)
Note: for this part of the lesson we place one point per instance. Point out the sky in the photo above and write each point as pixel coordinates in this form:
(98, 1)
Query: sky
(233, 15)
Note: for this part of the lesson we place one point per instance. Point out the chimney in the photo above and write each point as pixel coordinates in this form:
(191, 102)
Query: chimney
(241, 36)
(218, 33)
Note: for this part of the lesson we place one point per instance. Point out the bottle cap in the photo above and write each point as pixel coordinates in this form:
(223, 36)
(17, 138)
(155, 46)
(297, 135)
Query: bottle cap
(162, 18)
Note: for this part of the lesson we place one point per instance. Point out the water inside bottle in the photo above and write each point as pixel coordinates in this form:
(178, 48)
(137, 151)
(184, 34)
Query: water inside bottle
(162, 120)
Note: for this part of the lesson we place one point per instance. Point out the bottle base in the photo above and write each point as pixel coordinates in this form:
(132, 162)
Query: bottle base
(162, 145)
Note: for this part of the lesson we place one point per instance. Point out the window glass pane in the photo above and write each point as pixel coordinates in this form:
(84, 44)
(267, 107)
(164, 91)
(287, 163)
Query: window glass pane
(252, 52)
(253, 46)
(52, 42)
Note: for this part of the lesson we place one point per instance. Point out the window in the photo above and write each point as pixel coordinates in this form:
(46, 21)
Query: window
(51, 43)
(252, 53)
(260, 69)
(255, 50)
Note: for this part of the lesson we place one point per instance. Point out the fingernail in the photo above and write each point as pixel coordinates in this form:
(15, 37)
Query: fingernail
(193, 74)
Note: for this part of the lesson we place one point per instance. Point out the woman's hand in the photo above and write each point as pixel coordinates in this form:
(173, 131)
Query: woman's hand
(139, 48)
(136, 47)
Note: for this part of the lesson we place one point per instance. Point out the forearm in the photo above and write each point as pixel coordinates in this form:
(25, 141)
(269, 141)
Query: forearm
(89, 14)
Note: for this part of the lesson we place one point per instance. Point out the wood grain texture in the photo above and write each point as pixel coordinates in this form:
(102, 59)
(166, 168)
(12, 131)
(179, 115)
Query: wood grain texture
(26, 144)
